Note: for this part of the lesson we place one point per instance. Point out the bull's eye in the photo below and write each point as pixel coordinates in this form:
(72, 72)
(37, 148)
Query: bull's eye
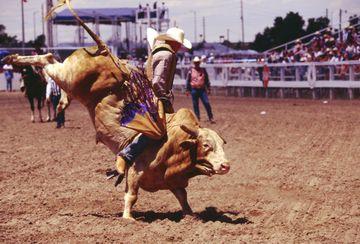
(207, 147)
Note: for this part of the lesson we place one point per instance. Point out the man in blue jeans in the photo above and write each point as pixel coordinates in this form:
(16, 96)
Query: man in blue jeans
(198, 84)
(53, 95)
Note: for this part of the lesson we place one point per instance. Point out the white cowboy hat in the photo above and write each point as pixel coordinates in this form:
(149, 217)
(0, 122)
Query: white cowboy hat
(196, 59)
(175, 34)
(151, 36)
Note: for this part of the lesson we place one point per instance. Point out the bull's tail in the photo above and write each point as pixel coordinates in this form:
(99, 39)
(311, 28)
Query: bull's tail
(102, 47)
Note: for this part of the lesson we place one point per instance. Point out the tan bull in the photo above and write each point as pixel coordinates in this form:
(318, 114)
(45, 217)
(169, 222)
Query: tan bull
(98, 80)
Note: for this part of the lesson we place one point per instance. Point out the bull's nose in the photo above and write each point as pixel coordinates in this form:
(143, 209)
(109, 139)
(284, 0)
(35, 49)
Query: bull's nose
(225, 167)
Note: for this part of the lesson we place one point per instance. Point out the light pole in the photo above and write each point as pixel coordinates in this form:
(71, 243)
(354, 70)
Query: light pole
(22, 26)
(50, 43)
(195, 26)
(42, 19)
(34, 22)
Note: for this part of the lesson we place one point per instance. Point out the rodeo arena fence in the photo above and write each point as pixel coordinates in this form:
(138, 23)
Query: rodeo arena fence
(316, 80)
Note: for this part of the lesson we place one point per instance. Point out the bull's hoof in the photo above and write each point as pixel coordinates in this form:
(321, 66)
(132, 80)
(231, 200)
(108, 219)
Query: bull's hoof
(9, 59)
(119, 179)
(190, 217)
(128, 217)
(113, 173)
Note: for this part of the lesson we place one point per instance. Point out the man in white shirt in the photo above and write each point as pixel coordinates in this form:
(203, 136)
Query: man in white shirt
(53, 94)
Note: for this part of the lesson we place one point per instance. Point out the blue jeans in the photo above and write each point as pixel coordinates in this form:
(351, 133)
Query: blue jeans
(9, 84)
(136, 147)
(201, 93)
(60, 117)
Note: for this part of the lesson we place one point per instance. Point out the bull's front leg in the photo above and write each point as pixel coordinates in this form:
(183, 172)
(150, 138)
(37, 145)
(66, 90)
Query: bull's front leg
(132, 189)
(181, 196)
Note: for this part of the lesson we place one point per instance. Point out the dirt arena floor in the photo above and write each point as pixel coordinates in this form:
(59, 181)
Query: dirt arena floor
(295, 177)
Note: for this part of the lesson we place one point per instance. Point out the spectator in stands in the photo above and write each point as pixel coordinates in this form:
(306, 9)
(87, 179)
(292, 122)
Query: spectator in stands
(198, 85)
(9, 75)
(322, 48)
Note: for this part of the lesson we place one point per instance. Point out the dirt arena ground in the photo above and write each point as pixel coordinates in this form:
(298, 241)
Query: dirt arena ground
(295, 177)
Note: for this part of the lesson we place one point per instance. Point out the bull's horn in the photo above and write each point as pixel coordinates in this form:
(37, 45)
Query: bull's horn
(191, 131)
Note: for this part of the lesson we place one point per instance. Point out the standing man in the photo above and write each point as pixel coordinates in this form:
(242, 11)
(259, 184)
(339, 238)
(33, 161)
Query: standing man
(198, 84)
(9, 75)
(161, 66)
(53, 95)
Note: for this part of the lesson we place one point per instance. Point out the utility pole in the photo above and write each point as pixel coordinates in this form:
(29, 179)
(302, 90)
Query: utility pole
(228, 34)
(49, 34)
(340, 20)
(195, 27)
(204, 29)
(42, 19)
(22, 26)
(242, 23)
(327, 13)
(34, 20)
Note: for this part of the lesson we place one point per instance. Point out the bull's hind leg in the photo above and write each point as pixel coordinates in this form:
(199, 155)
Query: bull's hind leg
(36, 60)
(56, 70)
(132, 189)
(181, 196)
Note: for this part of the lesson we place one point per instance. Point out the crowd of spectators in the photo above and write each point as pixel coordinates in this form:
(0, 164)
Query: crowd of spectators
(323, 47)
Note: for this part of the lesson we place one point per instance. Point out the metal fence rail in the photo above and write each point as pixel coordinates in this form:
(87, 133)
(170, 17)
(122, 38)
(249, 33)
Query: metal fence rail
(330, 75)
(292, 75)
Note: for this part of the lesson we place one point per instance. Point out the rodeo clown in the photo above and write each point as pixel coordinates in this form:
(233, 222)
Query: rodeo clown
(160, 69)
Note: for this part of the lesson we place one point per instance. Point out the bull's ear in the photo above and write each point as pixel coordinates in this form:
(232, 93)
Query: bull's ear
(187, 144)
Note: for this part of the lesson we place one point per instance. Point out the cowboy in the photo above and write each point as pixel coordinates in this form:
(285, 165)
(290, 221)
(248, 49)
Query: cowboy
(198, 85)
(161, 66)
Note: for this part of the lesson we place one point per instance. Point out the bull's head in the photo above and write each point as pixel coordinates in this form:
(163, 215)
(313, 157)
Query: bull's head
(207, 150)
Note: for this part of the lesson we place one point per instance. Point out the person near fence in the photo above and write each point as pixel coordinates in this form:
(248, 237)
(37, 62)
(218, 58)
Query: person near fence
(9, 75)
(198, 85)
(53, 95)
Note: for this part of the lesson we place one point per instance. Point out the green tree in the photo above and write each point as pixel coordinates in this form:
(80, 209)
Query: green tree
(287, 29)
(316, 24)
(37, 43)
(6, 40)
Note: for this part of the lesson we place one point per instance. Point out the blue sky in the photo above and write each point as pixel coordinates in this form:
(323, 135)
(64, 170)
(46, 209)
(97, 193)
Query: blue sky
(220, 15)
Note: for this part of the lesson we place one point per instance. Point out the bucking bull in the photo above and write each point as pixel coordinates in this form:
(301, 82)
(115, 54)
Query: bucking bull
(96, 79)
